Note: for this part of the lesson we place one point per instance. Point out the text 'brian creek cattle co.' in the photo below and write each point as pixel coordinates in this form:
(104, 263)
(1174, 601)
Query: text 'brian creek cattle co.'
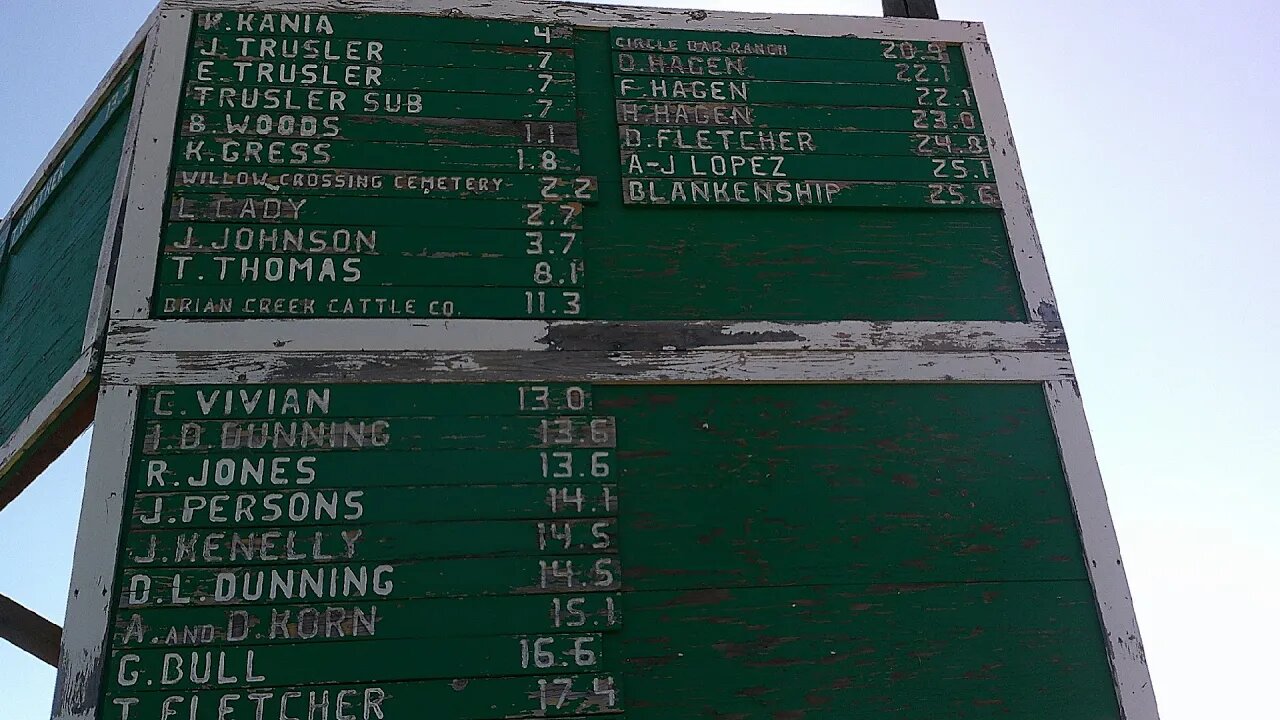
(572, 361)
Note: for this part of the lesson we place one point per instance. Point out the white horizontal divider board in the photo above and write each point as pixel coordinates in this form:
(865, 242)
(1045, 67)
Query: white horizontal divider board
(644, 367)
(605, 16)
(142, 351)
(444, 335)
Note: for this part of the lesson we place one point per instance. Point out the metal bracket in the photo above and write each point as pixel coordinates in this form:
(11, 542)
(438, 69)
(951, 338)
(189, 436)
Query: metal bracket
(927, 9)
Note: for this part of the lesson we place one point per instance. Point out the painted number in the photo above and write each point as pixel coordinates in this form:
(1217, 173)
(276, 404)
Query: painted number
(568, 275)
(941, 120)
(956, 194)
(905, 50)
(922, 73)
(555, 693)
(962, 169)
(537, 247)
(542, 652)
(598, 432)
(573, 499)
(578, 611)
(565, 574)
(543, 397)
(545, 160)
(950, 145)
(943, 97)
(568, 302)
(539, 133)
(579, 188)
(559, 535)
(560, 215)
(561, 464)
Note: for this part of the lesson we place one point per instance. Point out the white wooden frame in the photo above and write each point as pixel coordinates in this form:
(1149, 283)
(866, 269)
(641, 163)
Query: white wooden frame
(67, 388)
(142, 351)
(82, 663)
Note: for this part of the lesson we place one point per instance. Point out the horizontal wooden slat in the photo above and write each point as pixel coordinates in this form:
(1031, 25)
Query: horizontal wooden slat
(149, 368)
(605, 16)
(490, 335)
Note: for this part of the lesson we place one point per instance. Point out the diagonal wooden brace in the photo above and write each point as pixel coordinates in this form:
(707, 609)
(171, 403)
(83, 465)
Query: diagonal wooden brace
(29, 631)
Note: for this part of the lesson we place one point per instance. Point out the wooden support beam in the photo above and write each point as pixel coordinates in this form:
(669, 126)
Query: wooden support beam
(29, 631)
(911, 8)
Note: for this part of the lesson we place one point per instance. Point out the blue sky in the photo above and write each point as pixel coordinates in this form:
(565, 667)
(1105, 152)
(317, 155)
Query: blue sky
(1148, 137)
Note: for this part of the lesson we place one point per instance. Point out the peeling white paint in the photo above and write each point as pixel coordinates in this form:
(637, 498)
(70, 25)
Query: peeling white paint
(1024, 239)
(342, 335)
(160, 87)
(155, 368)
(83, 658)
(1102, 552)
(604, 16)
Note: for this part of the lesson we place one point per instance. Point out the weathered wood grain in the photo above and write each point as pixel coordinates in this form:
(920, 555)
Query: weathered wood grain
(1024, 239)
(159, 82)
(62, 416)
(156, 368)
(494, 335)
(65, 238)
(1126, 652)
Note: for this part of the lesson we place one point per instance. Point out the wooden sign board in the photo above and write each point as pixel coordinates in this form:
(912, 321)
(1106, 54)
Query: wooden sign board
(57, 245)
(536, 360)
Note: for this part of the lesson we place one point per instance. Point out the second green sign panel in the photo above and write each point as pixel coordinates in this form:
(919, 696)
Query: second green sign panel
(571, 549)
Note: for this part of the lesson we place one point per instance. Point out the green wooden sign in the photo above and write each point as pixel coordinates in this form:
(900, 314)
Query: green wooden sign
(544, 360)
(284, 537)
(55, 245)
(555, 139)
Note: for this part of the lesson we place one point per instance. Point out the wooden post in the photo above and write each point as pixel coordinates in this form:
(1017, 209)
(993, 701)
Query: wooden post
(29, 631)
(911, 8)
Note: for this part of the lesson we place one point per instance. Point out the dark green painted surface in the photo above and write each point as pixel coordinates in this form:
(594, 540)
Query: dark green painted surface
(487, 551)
(755, 550)
(790, 178)
(47, 276)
